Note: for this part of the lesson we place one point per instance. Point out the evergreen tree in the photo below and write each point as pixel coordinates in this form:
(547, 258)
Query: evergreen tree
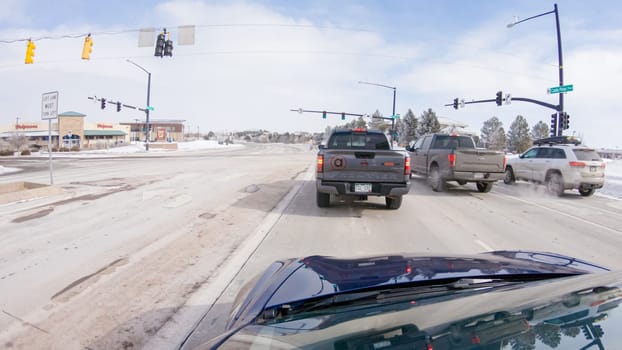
(428, 123)
(518, 136)
(377, 123)
(408, 127)
(540, 131)
(490, 134)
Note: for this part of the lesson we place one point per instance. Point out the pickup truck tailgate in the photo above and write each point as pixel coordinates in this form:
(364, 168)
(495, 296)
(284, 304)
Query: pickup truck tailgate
(479, 160)
(364, 166)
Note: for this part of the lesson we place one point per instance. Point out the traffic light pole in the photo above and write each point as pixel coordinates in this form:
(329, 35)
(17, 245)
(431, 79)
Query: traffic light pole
(147, 131)
(560, 110)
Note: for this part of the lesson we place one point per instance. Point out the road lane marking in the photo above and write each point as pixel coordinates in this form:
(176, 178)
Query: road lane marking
(606, 228)
(484, 245)
(198, 306)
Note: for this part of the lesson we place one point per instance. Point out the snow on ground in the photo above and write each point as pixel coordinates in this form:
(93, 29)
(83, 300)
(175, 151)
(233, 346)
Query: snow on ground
(7, 170)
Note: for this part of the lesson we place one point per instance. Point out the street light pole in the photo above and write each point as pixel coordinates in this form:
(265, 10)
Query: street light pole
(147, 133)
(394, 95)
(560, 109)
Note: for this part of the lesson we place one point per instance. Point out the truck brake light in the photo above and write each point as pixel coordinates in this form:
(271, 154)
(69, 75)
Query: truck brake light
(407, 166)
(505, 161)
(577, 164)
(451, 158)
(603, 165)
(320, 163)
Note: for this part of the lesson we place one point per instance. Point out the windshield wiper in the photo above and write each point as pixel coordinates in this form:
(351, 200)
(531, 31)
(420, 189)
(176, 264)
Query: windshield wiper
(429, 290)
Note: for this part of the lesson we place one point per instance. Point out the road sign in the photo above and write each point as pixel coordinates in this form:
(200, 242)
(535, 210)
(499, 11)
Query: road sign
(150, 108)
(49, 105)
(559, 89)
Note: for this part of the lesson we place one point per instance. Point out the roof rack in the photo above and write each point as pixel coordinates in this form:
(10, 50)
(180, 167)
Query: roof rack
(558, 140)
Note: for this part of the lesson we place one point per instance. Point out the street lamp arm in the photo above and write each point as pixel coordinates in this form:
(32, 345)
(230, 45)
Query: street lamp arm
(532, 17)
(386, 86)
(137, 65)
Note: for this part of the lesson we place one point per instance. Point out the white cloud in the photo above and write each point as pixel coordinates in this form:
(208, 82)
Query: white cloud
(238, 77)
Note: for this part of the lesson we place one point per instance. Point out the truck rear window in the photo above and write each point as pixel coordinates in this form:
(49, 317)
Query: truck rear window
(452, 142)
(358, 141)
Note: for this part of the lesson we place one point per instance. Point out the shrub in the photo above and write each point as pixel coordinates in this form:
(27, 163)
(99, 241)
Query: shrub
(75, 149)
(6, 152)
(25, 152)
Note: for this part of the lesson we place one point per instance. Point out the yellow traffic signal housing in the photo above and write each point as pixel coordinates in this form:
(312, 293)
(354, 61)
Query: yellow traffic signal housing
(30, 52)
(88, 47)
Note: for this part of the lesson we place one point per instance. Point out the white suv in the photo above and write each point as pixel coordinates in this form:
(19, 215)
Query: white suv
(560, 163)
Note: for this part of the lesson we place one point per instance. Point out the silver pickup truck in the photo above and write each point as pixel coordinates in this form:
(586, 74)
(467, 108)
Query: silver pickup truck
(359, 163)
(451, 157)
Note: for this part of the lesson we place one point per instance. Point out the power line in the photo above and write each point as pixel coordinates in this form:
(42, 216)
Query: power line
(224, 25)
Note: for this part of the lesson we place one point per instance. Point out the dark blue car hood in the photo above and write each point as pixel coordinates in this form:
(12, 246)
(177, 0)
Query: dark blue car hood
(317, 276)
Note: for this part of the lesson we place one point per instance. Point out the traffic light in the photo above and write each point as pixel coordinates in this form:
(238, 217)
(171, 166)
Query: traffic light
(103, 103)
(554, 124)
(160, 42)
(343, 116)
(30, 52)
(566, 121)
(118, 106)
(456, 103)
(324, 115)
(168, 47)
(87, 48)
(499, 98)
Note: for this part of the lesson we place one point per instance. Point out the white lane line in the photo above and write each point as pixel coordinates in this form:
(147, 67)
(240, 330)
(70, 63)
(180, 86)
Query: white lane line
(606, 228)
(484, 245)
(191, 314)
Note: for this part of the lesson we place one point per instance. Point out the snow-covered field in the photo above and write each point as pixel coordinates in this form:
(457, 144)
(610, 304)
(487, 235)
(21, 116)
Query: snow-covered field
(130, 149)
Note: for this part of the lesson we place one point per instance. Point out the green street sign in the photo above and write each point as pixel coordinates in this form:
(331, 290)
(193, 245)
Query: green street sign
(559, 89)
(395, 116)
(150, 108)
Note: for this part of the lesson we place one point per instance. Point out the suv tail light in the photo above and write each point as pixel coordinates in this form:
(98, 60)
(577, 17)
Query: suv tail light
(577, 164)
(451, 158)
(505, 161)
(407, 165)
(320, 163)
(603, 165)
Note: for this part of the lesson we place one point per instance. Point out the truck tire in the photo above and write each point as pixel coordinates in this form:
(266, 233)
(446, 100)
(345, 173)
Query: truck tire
(484, 186)
(323, 199)
(509, 176)
(555, 184)
(436, 181)
(393, 202)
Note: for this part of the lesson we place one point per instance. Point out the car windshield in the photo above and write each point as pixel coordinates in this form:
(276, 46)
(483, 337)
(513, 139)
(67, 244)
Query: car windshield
(176, 171)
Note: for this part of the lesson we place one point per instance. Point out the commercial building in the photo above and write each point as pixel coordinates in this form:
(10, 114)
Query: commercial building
(71, 131)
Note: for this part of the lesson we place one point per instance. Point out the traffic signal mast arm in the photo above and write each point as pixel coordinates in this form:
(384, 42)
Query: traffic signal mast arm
(324, 113)
(522, 99)
(115, 102)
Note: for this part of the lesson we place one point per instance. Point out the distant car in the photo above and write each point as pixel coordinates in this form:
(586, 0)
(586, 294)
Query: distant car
(424, 301)
(561, 163)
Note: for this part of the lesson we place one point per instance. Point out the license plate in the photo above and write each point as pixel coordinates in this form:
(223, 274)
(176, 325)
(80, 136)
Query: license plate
(364, 188)
(592, 169)
(478, 176)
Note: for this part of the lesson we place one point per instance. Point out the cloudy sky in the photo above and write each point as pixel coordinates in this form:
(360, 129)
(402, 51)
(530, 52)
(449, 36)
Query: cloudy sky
(253, 61)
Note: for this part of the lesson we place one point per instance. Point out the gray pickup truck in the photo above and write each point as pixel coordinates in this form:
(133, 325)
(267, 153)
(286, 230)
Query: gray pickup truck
(451, 157)
(359, 163)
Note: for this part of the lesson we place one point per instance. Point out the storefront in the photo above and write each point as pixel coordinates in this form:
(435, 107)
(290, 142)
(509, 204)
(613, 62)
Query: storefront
(162, 130)
(69, 132)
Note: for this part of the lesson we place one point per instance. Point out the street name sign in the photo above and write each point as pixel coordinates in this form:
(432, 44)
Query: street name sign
(559, 89)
